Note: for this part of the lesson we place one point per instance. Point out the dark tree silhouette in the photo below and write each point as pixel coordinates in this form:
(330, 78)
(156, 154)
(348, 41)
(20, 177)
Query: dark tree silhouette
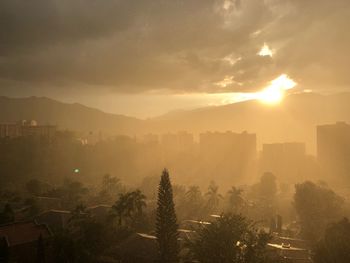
(129, 206)
(316, 207)
(236, 200)
(335, 245)
(111, 186)
(213, 197)
(166, 223)
(193, 194)
(230, 238)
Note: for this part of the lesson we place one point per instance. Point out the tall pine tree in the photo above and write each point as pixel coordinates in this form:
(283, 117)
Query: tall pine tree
(166, 224)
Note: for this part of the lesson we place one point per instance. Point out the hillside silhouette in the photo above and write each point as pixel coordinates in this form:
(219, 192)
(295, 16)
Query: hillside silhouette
(293, 120)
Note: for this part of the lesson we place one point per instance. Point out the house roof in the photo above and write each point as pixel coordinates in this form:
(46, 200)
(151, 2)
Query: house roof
(278, 246)
(99, 206)
(56, 211)
(23, 232)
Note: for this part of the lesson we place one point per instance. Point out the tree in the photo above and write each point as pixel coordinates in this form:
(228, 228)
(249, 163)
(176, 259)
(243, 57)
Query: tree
(236, 200)
(268, 186)
(84, 240)
(264, 196)
(149, 186)
(138, 200)
(73, 192)
(335, 245)
(316, 207)
(122, 208)
(129, 207)
(189, 204)
(110, 187)
(194, 194)
(166, 222)
(214, 197)
(229, 239)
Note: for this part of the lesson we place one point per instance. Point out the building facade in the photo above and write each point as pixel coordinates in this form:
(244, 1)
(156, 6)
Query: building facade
(287, 161)
(333, 150)
(26, 128)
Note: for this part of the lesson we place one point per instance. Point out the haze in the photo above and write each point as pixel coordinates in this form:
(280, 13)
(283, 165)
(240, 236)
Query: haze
(174, 131)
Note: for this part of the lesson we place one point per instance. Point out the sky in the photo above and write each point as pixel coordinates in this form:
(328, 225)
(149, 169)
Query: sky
(146, 57)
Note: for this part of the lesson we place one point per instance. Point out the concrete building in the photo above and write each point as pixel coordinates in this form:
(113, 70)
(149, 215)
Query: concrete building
(26, 128)
(333, 150)
(10, 130)
(228, 154)
(177, 142)
(287, 161)
(150, 139)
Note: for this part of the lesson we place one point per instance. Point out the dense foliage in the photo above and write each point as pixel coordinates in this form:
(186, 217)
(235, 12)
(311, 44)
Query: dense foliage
(335, 245)
(230, 238)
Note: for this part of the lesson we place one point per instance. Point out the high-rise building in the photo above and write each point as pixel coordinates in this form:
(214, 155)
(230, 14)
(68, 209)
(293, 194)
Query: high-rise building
(287, 161)
(26, 128)
(333, 150)
(228, 155)
(10, 130)
(177, 142)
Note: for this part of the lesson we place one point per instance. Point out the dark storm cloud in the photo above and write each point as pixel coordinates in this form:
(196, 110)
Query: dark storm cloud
(39, 23)
(182, 46)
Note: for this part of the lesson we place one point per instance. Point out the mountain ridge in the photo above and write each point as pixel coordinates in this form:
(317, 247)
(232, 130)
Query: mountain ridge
(295, 119)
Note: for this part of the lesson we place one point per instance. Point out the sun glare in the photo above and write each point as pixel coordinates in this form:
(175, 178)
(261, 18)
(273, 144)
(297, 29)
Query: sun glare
(274, 93)
(265, 51)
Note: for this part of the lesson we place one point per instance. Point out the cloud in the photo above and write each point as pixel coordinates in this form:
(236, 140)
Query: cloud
(129, 46)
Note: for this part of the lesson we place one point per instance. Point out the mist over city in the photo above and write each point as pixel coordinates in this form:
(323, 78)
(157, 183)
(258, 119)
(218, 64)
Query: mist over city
(182, 131)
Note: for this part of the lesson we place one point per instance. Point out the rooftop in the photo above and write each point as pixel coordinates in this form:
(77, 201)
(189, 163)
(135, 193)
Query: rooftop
(23, 232)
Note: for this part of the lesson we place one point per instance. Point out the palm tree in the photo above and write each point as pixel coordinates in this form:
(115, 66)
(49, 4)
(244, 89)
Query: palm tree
(122, 207)
(236, 200)
(192, 207)
(213, 197)
(138, 200)
(129, 205)
(193, 194)
(111, 185)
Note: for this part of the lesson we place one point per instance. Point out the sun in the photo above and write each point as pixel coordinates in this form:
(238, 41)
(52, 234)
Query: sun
(271, 95)
(275, 92)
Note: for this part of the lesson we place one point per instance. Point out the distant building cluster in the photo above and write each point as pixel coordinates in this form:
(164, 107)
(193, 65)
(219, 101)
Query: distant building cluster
(178, 142)
(232, 154)
(26, 128)
(225, 153)
(236, 154)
